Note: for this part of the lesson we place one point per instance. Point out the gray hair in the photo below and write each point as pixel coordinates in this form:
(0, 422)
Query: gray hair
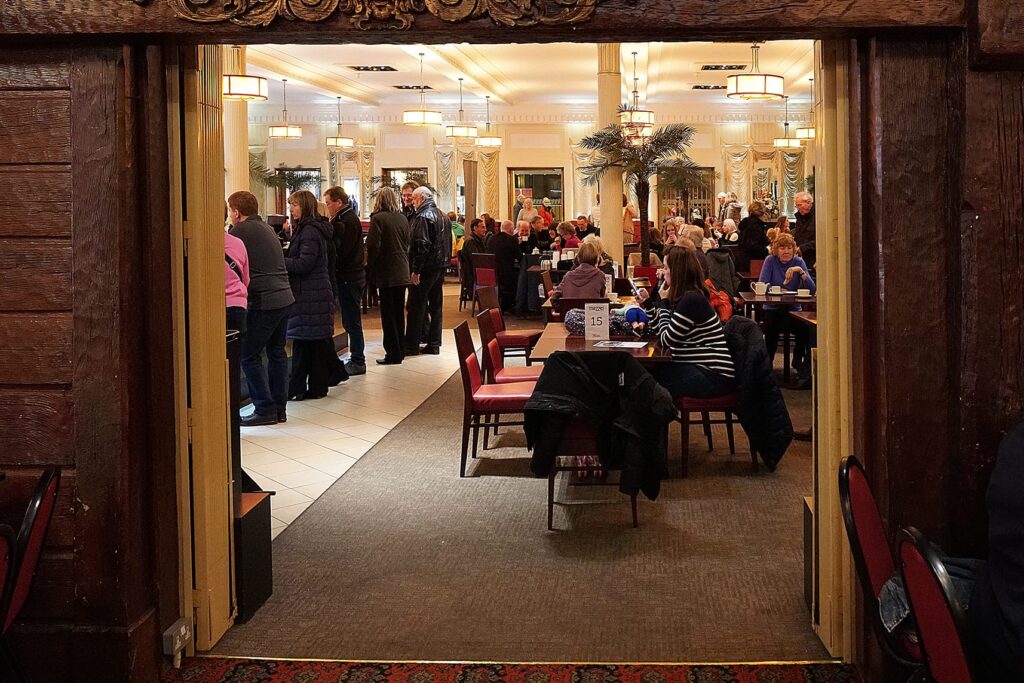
(729, 223)
(508, 227)
(804, 197)
(423, 192)
(522, 224)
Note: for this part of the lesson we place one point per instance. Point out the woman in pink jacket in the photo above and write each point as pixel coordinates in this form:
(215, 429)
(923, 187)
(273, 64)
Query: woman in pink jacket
(236, 282)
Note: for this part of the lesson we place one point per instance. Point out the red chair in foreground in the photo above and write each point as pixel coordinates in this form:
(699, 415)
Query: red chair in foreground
(508, 340)
(871, 555)
(649, 272)
(494, 363)
(941, 623)
(484, 400)
(705, 406)
(485, 275)
(29, 545)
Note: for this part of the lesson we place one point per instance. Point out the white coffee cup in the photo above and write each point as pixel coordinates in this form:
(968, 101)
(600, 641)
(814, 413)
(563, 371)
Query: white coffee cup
(803, 292)
(760, 288)
(776, 289)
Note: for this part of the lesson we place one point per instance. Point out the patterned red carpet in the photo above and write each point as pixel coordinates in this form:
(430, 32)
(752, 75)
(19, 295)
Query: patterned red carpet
(222, 670)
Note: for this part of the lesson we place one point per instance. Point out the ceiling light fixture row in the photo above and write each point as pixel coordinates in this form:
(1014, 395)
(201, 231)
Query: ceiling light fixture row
(637, 124)
(284, 131)
(422, 116)
(461, 130)
(488, 140)
(242, 87)
(753, 84)
(808, 133)
(339, 141)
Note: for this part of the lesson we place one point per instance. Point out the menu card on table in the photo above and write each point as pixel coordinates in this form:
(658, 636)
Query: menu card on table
(596, 326)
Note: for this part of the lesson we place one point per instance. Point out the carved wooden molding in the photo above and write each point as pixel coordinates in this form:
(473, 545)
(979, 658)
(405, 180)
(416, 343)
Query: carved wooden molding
(370, 15)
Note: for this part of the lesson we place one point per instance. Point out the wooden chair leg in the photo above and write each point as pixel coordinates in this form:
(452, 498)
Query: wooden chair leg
(705, 417)
(684, 442)
(632, 501)
(551, 499)
(729, 432)
(476, 433)
(785, 355)
(465, 443)
(487, 430)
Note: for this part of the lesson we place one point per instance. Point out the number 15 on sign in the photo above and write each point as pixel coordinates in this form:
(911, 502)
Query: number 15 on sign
(597, 321)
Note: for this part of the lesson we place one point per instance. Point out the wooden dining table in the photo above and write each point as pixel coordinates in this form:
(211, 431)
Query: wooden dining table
(556, 338)
(752, 300)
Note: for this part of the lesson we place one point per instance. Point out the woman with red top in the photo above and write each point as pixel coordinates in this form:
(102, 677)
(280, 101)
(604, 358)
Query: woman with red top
(567, 238)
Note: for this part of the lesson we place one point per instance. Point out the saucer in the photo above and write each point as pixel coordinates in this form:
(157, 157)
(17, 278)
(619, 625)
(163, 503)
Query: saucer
(804, 296)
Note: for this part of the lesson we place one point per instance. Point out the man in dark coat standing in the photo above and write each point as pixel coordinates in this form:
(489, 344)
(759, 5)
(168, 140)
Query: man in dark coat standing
(350, 273)
(429, 256)
(505, 248)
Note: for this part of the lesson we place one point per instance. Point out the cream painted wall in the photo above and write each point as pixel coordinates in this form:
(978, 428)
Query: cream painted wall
(526, 145)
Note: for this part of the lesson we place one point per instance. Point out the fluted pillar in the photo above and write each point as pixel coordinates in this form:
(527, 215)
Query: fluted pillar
(236, 127)
(609, 97)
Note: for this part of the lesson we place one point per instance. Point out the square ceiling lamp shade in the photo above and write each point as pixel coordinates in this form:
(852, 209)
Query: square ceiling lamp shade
(285, 131)
(421, 116)
(339, 141)
(241, 86)
(461, 130)
(787, 142)
(488, 140)
(805, 133)
(754, 85)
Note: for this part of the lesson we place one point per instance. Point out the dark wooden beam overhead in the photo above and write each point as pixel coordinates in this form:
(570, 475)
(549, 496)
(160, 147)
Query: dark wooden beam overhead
(535, 21)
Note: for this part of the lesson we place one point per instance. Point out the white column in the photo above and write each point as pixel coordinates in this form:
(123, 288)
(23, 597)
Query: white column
(236, 128)
(609, 97)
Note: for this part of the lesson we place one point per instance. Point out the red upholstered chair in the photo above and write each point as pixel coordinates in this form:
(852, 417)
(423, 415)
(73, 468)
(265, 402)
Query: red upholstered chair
(649, 272)
(941, 623)
(871, 554)
(485, 274)
(755, 267)
(509, 341)
(484, 400)
(726, 404)
(27, 550)
(494, 363)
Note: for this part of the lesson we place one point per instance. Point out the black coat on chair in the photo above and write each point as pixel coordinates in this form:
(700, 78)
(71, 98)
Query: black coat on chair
(760, 406)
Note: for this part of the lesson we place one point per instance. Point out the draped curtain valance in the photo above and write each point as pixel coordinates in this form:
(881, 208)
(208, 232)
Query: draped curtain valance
(749, 168)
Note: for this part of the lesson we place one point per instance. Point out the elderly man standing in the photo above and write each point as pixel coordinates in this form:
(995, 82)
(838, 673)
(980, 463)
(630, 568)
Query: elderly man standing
(429, 255)
(803, 229)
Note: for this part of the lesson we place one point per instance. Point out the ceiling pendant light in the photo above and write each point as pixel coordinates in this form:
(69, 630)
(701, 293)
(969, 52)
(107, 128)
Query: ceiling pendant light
(284, 131)
(488, 140)
(808, 132)
(339, 140)
(421, 116)
(460, 130)
(786, 141)
(242, 87)
(636, 122)
(754, 85)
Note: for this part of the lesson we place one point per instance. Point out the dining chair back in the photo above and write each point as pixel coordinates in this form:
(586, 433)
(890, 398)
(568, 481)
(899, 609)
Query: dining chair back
(872, 554)
(493, 358)
(545, 276)
(755, 267)
(469, 365)
(941, 624)
(488, 298)
(649, 272)
(30, 541)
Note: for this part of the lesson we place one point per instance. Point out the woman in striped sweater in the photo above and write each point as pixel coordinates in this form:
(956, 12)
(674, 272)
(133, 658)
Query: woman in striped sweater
(685, 323)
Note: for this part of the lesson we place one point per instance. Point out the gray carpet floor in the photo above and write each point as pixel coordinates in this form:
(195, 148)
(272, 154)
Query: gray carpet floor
(402, 560)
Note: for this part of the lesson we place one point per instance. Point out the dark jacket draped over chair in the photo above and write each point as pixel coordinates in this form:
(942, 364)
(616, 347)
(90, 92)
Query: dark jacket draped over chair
(623, 404)
(312, 315)
(760, 406)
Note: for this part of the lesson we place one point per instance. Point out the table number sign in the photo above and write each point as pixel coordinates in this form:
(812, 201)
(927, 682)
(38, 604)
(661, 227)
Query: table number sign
(597, 321)
(609, 285)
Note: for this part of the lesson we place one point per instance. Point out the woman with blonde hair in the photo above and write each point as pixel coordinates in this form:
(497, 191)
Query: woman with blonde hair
(527, 213)
(387, 255)
(315, 365)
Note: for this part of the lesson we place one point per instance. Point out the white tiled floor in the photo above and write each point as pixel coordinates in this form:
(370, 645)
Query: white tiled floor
(301, 458)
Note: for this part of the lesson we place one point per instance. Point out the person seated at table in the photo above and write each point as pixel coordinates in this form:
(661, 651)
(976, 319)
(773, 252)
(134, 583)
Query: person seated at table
(685, 323)
(670, 231)
(583, 227)
(655, 242)
(784, 268)
(505, 247)
(527, 238)
(584, 281)
(567, 238)
(540, 239)
(727, 235)
(605, 262)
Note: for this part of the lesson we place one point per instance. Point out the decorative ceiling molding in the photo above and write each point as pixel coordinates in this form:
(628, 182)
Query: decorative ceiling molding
(471, 63)
(370, 15)
(276, 61)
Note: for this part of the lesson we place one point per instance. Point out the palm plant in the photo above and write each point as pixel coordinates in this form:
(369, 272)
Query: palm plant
(663, 153)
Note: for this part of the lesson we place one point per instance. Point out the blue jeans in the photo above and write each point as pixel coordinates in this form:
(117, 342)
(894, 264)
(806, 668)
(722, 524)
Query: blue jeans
(268, 387)
(687, 379)
(350, 300)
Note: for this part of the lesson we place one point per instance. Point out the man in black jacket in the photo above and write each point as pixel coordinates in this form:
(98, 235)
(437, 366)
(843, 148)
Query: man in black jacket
(429, 255)
(505, 248)
(350, 273)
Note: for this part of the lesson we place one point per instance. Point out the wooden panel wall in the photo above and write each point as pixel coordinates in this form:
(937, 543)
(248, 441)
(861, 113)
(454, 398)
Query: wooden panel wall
(75, 336)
